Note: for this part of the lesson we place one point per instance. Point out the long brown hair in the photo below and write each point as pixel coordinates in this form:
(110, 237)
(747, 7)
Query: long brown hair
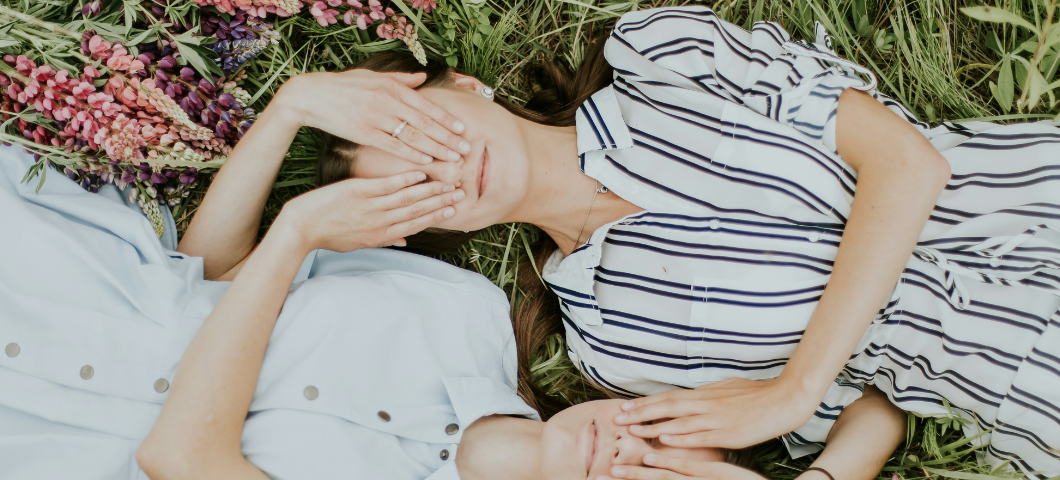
(536, 315)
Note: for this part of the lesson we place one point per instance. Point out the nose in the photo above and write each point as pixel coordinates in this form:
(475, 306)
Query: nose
(449, 173)
(631, 450)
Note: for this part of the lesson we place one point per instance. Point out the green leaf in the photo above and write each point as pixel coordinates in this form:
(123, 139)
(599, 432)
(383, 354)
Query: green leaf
(993, 43)
(964, 475)
(1005, 88)
(141, 37)
(485, 29)
(8, 43)
(451, 60)
(997, 15)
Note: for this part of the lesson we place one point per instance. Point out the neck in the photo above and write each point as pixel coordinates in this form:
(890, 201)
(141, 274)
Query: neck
(501, 447)
(559, 194)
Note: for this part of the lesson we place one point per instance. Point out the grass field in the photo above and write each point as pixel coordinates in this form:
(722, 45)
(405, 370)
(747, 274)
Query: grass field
(939, 62)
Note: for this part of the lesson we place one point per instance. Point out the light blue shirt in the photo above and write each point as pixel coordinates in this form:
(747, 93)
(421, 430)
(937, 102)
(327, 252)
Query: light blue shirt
(379, 360)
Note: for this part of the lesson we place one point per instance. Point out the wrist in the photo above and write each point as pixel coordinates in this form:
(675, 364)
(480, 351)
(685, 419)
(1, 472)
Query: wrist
(805, 393)
(290, 101)
(287, 231)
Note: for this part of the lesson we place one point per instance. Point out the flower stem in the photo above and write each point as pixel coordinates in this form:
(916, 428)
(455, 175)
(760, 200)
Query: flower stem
(8, 12)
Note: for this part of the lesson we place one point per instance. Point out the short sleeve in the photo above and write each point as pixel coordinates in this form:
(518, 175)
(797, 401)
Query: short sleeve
(796, 83)
(810, 438)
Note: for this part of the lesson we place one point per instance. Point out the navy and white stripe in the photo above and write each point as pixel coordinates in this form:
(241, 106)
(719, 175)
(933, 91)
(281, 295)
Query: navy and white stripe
(726, 138)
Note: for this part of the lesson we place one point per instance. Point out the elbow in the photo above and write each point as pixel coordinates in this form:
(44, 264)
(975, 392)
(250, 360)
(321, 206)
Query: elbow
(165, 459)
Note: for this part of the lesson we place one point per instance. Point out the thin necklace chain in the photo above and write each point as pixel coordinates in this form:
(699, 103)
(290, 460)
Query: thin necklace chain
(578, 240)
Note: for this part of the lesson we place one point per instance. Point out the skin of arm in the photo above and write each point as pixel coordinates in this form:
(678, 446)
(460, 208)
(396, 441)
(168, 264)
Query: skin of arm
(900, 177)
(199, 431)
(859, 444)
(358, 105)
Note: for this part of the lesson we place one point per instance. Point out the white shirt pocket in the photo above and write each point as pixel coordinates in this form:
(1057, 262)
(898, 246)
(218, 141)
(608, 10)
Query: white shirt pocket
(747, 328)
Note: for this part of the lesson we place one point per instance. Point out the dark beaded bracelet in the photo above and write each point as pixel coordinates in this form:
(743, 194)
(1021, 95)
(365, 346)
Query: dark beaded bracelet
(819, 469)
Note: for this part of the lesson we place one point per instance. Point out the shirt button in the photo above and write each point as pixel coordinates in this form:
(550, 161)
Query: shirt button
(12, 350)
(715, 224)
(994, 262)
(384, 416)
(813, 237)
(161, 385)
(444, 455)
(451, 429)
(311, 392)
(87, 371)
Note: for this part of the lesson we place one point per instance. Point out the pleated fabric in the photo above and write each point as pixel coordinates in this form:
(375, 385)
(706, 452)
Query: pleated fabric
(726, 138)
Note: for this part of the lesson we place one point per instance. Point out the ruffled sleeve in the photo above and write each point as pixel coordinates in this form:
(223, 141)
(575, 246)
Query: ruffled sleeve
(793, 82)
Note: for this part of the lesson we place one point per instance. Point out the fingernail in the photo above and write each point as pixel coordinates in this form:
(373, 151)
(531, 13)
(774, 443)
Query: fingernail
(449, 212)
(453, 155)
(420, 176)
(628, 406)
(448, 188)
(426, 158)
(618, 471)
(621, 417)
(666, 438)
(465, 147)
(459, 126)
(458, 196)
(650, 459)
(636, 428)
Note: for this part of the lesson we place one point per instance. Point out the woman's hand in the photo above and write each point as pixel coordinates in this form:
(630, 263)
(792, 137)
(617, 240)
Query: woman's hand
(366, 107)
(662, 467)
(362, 213)
(733, 413)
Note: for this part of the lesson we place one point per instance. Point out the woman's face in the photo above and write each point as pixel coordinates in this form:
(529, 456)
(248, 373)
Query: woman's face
(583, 442)
(493, 175)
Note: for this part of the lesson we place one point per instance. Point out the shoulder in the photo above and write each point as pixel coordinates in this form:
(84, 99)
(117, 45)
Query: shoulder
(395, 269)
(662, 19)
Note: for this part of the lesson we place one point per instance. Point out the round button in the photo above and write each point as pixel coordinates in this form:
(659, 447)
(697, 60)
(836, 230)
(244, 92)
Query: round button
(161, 385)
(87, 371)
(451, 429)
(994, 262)
(813, 237)
(715, 224)
(12, 350)
(311, 392)
(384, 416)
(444, 455)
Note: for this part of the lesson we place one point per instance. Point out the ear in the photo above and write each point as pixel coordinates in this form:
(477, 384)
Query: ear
(467, 82)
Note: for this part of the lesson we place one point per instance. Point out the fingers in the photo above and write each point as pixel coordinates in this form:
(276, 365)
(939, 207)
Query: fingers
(393, 145)
(417, 101)
(423, 133)
(423, 207)
(410, 195)
(379, 187)
(419, 224)
(665, 405)
(703, 439)
(678, 426)
(643, 473)
(411, 80)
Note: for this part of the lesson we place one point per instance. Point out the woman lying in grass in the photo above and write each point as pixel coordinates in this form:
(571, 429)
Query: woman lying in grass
(742, 215)
(377, 364)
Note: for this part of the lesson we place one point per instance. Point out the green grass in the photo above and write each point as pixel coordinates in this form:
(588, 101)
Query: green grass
(927, 54)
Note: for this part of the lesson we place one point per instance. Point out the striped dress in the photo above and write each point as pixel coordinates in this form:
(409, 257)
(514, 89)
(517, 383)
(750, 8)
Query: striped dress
(726, 138)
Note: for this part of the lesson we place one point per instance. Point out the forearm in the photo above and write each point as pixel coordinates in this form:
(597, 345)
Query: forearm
(200, 427)
(900, 176)
(861, 440)
(225, 227)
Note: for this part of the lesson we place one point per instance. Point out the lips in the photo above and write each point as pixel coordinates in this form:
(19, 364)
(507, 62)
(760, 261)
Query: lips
(590, 448)
(483, 175)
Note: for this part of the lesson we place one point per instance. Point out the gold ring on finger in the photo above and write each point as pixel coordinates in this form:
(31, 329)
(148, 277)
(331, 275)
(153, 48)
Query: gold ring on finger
(397, 131)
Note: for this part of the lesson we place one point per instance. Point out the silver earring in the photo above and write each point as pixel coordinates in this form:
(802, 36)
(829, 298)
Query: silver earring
(465, 231)
(486, 92)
